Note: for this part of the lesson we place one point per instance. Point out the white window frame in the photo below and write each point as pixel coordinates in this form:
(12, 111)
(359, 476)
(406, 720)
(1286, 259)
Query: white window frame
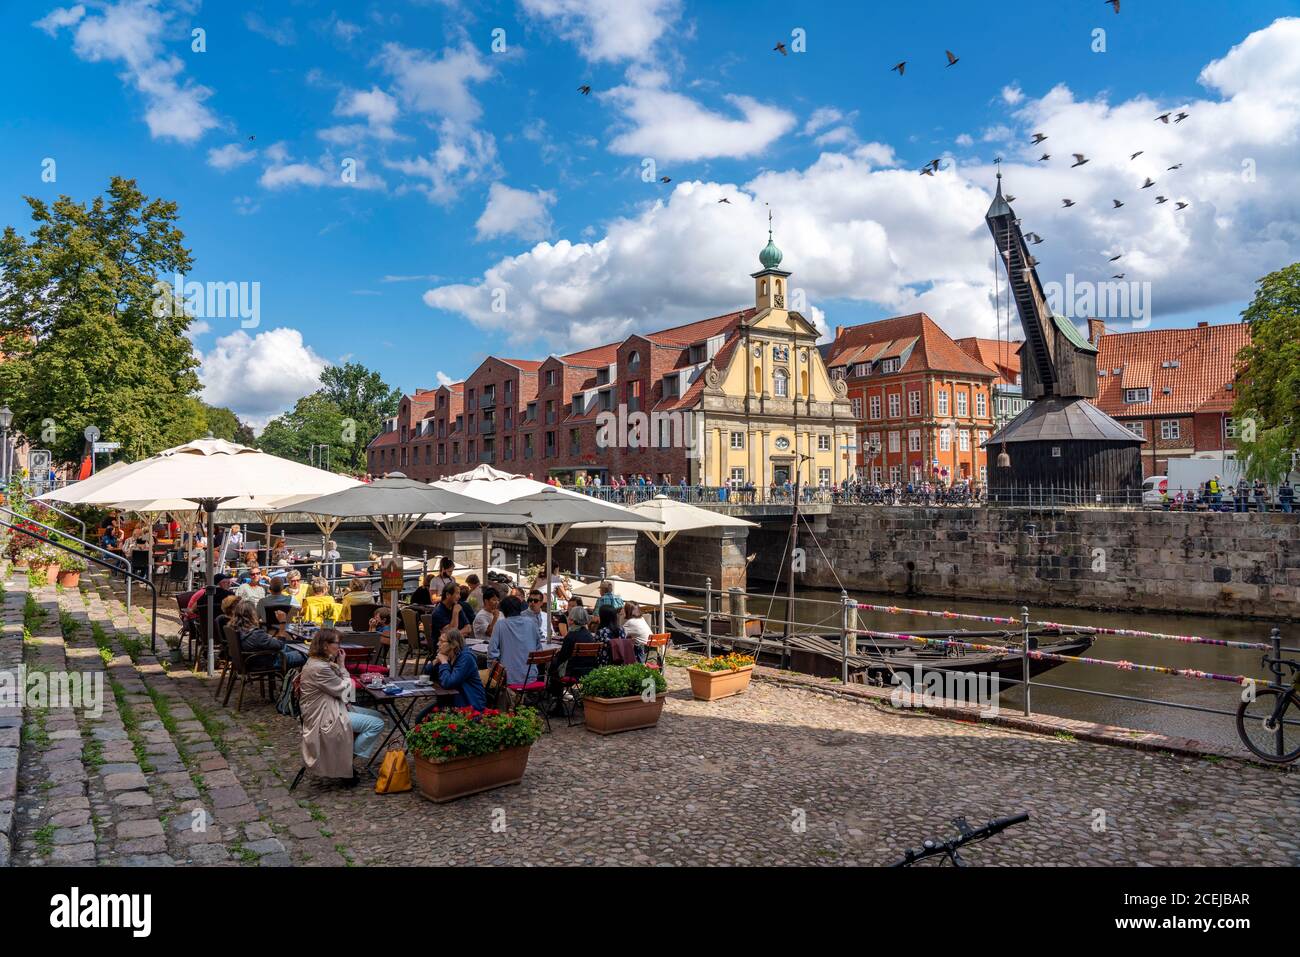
(914, 403)
(1136, 396)
(963, 440)
(945, 440)
(981, 405)
(737, 440)
(1170, 429)
(963, 405)
(855, 404)
(823, 443)
(895, 405)
(914, 440)
(895, 441)
(781, 384)
(941, 402)
(873, 406)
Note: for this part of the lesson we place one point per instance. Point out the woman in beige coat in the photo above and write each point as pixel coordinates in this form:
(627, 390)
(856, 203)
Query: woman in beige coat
(332, 732)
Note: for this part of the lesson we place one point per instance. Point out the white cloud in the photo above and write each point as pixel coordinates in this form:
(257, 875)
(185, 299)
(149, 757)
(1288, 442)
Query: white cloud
(443, 378)
(281, 33)
(260, 376)
(670, 126)
(60, 17)
(283, 171)
(376, 107)
(965, 139)
(823, 117)
(437, 85)
(855, 228)
(515, 212)
(464, 156)
(230, 156)
(609, 31)
(1012, 94)
(132, 33)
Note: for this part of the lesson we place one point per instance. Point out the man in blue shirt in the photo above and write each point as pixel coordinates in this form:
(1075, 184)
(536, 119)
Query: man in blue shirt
(513, 638)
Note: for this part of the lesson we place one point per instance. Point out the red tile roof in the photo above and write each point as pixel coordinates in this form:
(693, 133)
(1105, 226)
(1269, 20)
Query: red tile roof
(524, 365)
(1207, 362)
(1001, 356)
(932, 349)
(595, 357)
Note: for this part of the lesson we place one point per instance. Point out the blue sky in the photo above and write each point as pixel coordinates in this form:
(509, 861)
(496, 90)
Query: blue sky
(483, 174)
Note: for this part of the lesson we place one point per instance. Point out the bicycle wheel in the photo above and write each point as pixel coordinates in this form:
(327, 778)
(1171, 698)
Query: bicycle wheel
(1276, 741)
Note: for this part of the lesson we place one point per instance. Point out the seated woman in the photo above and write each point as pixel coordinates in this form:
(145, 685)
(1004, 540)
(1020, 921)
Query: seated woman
(334, 731)
(422, 595)
(610, 630)
(254, 638)
(635, 626)
(357, 594)
(319, 604)
(456, 668)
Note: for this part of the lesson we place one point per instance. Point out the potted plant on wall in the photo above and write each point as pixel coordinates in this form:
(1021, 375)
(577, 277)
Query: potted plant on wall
(622, 698)
(70, 569)
(463, 751)
(721, 677)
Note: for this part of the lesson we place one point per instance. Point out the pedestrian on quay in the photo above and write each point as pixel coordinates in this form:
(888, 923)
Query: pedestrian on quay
(1285, 496)
(1261, 495)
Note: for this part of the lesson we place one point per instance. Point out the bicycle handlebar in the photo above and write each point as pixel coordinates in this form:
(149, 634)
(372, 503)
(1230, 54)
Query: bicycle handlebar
(968, 835)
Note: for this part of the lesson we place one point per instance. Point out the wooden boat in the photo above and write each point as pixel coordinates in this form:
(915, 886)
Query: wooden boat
(875, 659)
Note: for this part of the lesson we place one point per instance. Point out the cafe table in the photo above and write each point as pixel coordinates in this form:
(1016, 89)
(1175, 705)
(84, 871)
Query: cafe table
(398, 705)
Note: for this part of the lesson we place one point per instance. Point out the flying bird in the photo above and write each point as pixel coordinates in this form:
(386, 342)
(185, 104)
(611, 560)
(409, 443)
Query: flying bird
(1010, 198)
(1113, 258)
(1067, 203)
(1045, 157)
(725, 200)
(1164, 117)
(780, 48)
(1175, 166)
(952, 60)
(253, 137)
(665, 179)
(1115, 4)
(934, 165)
(1079, 160)
(1034, 238)
(1117, 203)
(900, 66)
(1038, 138)
(1180, 117)
(1161, 199)
(1137, 154)
(926, 170)
(1183, 205)
(1118, 275)
(585, 90)
(1149, 183)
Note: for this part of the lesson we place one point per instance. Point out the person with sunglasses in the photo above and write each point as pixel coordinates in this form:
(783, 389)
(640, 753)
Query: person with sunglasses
(334, 731)
(537, 609)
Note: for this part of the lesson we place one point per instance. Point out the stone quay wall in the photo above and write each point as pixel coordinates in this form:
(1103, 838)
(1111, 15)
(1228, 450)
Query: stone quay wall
(1200, 562)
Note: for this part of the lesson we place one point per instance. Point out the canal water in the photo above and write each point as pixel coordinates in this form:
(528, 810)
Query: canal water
(821, 607)
(1218, 729)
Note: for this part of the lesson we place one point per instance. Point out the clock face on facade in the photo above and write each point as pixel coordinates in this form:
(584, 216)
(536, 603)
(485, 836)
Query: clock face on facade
(780, 301)
(782, 443)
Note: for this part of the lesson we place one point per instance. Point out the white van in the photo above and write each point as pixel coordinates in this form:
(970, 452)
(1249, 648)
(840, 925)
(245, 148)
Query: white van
(1153, 488)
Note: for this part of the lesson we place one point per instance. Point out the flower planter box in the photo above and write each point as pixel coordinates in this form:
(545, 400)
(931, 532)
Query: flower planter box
(612, 715)
(70, 579)
(712, 685)
(459, 777)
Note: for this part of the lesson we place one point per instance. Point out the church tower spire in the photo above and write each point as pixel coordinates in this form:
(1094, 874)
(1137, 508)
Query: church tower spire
(770, 281)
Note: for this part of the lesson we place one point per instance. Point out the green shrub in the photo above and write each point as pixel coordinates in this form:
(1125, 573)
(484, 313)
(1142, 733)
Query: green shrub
(464, 732)
(621, 681)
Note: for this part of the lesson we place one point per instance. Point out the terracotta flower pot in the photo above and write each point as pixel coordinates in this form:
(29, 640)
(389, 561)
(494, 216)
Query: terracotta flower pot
(712, 685)
(69, 579)
(447, 780)
(51, 574)
(612, 715)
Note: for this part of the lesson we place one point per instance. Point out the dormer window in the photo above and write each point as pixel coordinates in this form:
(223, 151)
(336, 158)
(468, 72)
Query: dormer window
(1134, 396)
(862, 369)
(889, 365)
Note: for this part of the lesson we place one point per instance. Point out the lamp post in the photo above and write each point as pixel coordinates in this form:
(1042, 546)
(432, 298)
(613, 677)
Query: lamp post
(6, 420)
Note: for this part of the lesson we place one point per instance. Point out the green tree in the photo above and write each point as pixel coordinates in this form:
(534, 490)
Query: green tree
(1267, 407)
(364, 401)
(313, 421)
(225, 424)
(83, 344)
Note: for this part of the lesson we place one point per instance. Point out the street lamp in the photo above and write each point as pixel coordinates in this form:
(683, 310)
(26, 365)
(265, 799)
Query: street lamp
(6, 420)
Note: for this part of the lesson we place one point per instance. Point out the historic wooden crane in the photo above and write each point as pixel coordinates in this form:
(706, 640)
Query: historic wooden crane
(1061, 442)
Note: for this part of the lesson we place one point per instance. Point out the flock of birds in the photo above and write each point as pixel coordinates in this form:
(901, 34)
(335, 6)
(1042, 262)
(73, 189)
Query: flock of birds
(930, 168)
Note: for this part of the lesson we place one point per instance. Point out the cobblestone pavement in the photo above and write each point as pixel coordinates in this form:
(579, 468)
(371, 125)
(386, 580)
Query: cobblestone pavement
(779, 775)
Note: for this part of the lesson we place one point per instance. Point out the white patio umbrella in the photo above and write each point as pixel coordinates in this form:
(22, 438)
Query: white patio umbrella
(209, 473)
(674, 517)
(395, 506)
(626, 590)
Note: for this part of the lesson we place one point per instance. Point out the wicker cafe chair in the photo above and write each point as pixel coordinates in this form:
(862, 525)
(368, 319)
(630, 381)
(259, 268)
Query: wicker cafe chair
(495, 684)
(414, 643)
(586, 655)
(534, 689)
(361, 615)
(260, 667)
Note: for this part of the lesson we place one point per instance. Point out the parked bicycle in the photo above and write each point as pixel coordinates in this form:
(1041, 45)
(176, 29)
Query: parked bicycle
(1269, 721)
(966, 835)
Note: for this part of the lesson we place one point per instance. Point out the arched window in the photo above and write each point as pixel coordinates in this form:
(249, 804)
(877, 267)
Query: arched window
(763, 287)
(780, 384)
(778, 287)
(634, 360)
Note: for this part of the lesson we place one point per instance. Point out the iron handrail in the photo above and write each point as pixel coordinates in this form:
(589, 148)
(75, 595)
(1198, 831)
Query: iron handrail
(82, 541)
(153, 618)
(59, 511)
